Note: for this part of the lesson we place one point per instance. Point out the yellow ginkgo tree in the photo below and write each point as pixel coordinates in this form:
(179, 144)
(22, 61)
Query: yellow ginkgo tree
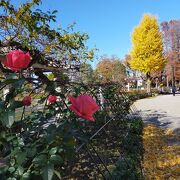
(147, 48)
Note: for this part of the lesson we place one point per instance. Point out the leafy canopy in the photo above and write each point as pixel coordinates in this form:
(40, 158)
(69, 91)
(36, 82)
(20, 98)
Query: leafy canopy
(111, 69)
(147, 46)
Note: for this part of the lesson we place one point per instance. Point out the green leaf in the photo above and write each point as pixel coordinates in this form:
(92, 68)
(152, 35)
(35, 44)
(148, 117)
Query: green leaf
(11, 76)
(19, 171)
(10, 138)
(70, 142)
(1, 105)
(16, 104)
(50, 87)
(11, 178)
(48, 172)
(57, 174)
(20, 157)
(54, 12)
(9, 81)
(40, 159)
(8, 118)
(12, 162)
(56, 159)
(19, 83)
(25, 176)
(15, 82)
(11, 169)
(31, 151)
(53, 151)
(60, 150)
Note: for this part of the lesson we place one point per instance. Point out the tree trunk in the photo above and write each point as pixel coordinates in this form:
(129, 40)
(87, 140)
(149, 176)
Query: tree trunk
(156, 83)
(167, 79)
(148, 83)
(173, 82)
(128, 87)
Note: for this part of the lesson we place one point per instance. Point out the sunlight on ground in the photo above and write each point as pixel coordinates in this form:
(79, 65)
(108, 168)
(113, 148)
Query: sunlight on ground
(161, 159)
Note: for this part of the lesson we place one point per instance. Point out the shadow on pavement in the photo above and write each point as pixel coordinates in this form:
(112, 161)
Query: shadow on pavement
(160, 119)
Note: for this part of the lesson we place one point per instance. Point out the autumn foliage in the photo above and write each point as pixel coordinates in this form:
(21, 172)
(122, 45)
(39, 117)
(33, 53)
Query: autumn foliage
(147, 47)
(111, 70)
(160, 159)
(171, 42)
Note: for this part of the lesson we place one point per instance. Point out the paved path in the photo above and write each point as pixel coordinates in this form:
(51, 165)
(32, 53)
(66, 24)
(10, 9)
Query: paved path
(163, 110)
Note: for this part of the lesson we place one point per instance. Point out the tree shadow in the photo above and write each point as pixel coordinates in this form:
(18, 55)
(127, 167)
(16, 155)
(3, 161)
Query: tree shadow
(160, 118)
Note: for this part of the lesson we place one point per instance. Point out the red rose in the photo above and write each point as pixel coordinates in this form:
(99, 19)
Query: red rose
(27, 101)
(52, 99)
(84, 106)
(17, 60)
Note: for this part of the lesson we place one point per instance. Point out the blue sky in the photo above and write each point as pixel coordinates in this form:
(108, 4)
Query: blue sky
(109, 23)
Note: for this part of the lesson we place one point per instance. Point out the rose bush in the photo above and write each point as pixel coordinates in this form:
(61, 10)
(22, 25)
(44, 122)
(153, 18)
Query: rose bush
(38, 134)
(40, 141)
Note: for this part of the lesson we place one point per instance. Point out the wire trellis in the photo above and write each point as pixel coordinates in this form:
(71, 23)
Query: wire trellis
(97, 156)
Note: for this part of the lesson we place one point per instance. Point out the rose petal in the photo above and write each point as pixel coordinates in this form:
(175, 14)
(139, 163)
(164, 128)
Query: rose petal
(17, 60)
(84, 106)
(72, 99)
(75, 110)
(90, 118)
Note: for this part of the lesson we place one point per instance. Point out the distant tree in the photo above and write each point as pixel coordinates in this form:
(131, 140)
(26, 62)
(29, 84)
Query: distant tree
(171, 42)
(86, 73)
(111, 69)
(147, 48)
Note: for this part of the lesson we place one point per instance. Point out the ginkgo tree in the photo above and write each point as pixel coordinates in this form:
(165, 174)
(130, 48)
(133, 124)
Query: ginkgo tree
(147, 48)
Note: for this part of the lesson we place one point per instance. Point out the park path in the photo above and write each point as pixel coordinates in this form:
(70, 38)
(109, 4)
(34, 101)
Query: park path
(160, 142)
(162, 110)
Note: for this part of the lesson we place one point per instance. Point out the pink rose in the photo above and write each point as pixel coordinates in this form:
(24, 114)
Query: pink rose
(27, 101)
(52, 99)
(17, 60)
(84, 106)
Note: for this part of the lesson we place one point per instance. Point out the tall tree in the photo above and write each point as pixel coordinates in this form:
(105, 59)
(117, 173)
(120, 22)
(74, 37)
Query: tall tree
(111, 69)
(171, 41)
(147, 48)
